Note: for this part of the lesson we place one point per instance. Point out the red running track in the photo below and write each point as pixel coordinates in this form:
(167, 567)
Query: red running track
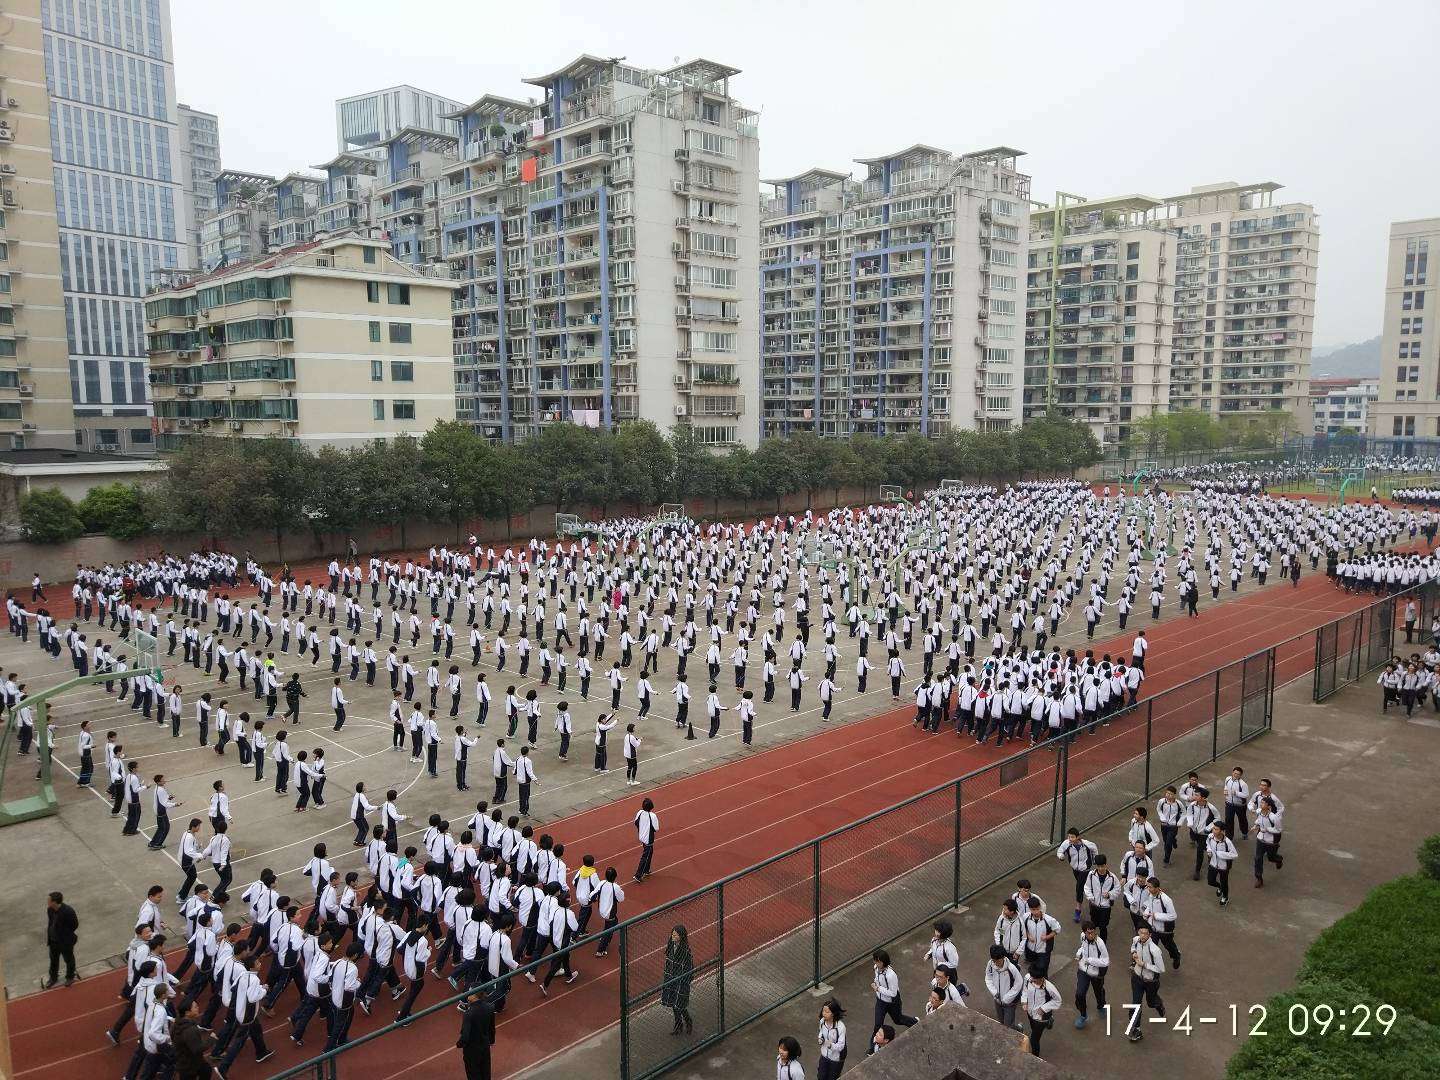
(727, 818)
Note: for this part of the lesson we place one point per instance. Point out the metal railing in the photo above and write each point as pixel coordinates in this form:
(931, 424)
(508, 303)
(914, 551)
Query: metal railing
(764, 935)
(1354, 645)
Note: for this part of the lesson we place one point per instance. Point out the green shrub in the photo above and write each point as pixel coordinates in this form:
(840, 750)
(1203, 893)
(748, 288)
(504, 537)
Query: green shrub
(1429, 855)
(117, 510)
(49, 517)
(1412, 1048)
(1389, 945)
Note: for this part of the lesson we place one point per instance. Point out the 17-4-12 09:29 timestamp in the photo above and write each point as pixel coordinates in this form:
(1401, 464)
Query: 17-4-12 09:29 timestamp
(1358, 1020)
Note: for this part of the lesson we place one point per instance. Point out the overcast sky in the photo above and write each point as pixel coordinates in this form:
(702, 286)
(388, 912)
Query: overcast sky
(1334, 101)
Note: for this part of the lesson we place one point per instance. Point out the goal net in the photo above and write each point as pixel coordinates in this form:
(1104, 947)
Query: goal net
(671, 512)
(567, 525)
(147, 650)
(951, 485)
(890, 493)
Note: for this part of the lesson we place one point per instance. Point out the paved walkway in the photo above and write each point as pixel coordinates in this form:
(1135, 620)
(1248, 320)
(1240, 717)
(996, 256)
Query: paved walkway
(1359, 793)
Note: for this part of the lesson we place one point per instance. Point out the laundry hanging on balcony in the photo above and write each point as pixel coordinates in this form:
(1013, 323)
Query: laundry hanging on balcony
(529, 169)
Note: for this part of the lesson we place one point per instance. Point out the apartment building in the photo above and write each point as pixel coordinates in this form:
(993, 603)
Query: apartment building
(365, 120)
(604, 247)
(894, 304)
(199, 166)
(1099, 313)
(119, 198)
(1409, 401)
(405, 202)
(333, 342)
(35, 401)
(1245, 272)
(1343, 403)
(350, 180)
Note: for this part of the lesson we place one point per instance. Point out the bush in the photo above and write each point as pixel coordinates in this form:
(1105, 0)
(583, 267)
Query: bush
(1412, 1048)
(49, 517)
(117, 510)
(1429, 855)
(1389, 945)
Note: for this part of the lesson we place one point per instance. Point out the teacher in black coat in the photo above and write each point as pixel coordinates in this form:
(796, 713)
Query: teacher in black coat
(60, 935)
(477, 1035)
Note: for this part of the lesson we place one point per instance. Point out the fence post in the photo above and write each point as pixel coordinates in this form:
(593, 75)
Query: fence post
(1149, 734)
(1064, 787)
(624, 1006)
(1270, 700)
(816, 900)
(1215, 713)
(720, 932)
(957, 843)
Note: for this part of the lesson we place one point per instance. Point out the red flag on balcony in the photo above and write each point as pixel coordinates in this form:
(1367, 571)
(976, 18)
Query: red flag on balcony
(528, 170)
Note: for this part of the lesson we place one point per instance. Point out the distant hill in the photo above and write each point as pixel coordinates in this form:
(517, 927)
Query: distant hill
(1359, 359)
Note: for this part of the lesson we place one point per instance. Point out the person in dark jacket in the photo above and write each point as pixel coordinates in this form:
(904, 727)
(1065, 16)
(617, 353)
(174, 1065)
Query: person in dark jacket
(192, 1044)
(675, 984)
(60, 935)
(477, 1035)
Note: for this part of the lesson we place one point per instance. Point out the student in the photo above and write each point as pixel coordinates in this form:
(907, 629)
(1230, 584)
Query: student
(942, 952)
(1080, 854)
(1237, 794)
(1092, 960)
(501, 766)
(831, 1039)
(524, 777)
(886, 985)
(1147, 964)
(463, 745)
(1171, 811)
(1221, 851)
(338, 703)
(1040, 931)
(360, 805)
(1158, 911)
(1101, 890)
(647, 828)
(603, 726)
(632, 756)
(1003, 980)
(787, 1060)
(1268, 825)
(1041, 999)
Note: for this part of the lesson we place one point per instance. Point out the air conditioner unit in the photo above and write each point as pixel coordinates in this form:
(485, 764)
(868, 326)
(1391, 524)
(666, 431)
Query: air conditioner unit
(11, 103)
(26, 389)
(682, 154)
(27, 427)
(677, 186)
(6, 135)
(681, 281)
(681, 382)
(7, 169)
(7, 197)
(979, 342)
(107, 447)
(237, 425)
(183, 421)
(680, 410)
(188, 391)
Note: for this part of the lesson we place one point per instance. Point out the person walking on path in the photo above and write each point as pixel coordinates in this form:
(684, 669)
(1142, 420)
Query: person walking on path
(61, 934)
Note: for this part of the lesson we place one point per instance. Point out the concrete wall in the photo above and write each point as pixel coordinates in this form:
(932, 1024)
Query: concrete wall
(19, 561)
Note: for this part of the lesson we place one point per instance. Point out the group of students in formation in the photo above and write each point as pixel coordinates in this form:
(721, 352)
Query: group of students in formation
(1027, 933)
(1407, 682)
(471, 910)
(981, 578)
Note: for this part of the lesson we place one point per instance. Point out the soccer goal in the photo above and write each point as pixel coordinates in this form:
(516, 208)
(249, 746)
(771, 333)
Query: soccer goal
(891, 493)
(147, 650)
(567, 525)
(671, 512)
(951, 485)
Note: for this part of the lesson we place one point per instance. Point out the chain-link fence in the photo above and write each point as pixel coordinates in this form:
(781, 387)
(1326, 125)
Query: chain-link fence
(1354, 645)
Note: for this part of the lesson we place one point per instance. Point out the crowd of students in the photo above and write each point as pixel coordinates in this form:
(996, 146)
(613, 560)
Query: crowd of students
(982, 578)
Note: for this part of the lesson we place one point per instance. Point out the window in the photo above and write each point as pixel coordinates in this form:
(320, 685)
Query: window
(712, 277)
(140, 436)
(710, 142)
(369, 255)
(372, 291)
(1132, 250)
(400, 333)
(377, 409)
(397, 294)
(374, 330)
(402, 371)
(402, 410)
(10, 410)
(377, 370)
(714, 244)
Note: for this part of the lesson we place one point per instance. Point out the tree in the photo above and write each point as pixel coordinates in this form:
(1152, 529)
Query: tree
(117, 510)
(335, 497)
(695, 473)
(392, 489)
(284, 479)
(207, 489)
(565, 457)
(451, 457)
(48, 516)
(812, 460)
(642, 463)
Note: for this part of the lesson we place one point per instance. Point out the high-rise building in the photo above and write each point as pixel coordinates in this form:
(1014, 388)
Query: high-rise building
(35, 405)
(895, 304)
(119, 198)
(604, 245)
(405, 202)
(239, 228)
(1409, 402)
(1343, 403)
(1245, 271)
(369, 119)
(333, 342)
(199, 166)
(1098, 317)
